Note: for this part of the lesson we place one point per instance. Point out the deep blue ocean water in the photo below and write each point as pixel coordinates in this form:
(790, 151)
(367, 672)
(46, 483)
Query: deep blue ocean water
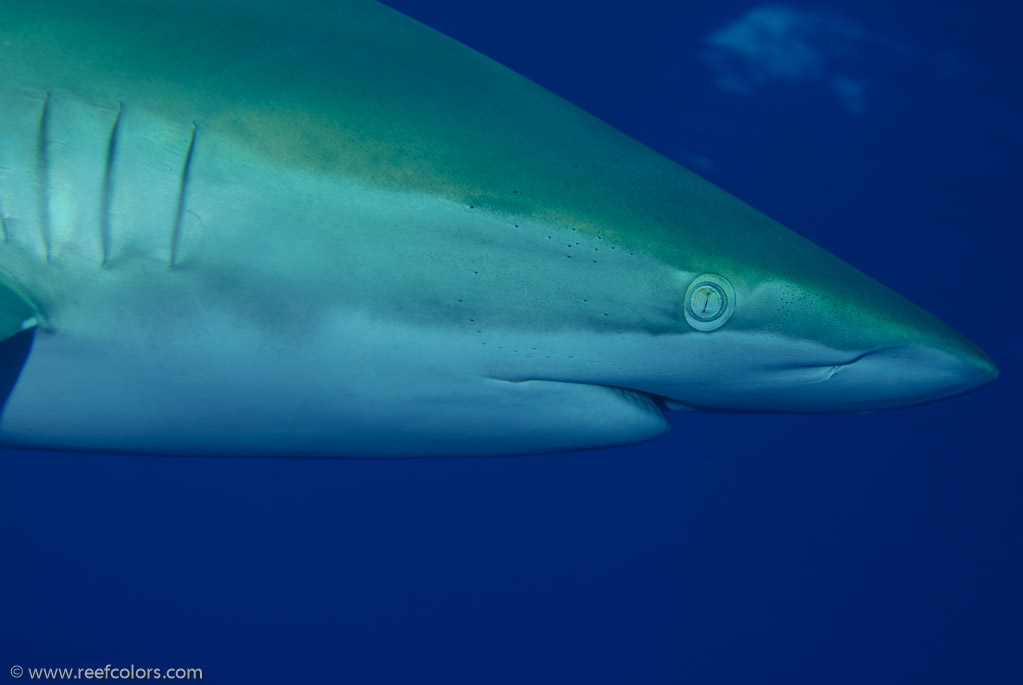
(882, 548)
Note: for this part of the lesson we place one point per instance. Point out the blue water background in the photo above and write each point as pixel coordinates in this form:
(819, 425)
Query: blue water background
(882, 548)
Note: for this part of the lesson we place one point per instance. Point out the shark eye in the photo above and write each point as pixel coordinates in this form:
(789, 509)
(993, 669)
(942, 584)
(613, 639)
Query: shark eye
(710, 301)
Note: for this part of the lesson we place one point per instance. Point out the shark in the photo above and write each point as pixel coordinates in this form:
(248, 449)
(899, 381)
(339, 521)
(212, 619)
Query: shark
(322, 229)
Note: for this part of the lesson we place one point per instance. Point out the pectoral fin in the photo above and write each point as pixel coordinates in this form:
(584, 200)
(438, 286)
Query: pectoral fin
(556, 416)
(18, 321)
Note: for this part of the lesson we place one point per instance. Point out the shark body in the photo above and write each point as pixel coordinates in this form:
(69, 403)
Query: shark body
(324, 229)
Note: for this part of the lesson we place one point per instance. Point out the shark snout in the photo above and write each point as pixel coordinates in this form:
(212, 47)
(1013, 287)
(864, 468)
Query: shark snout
(978, 369)
(903, 375)
(926, 359)
(861, 347)
(837, 355)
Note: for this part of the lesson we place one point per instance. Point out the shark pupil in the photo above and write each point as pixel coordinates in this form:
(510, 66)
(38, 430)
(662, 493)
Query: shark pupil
(707, 302)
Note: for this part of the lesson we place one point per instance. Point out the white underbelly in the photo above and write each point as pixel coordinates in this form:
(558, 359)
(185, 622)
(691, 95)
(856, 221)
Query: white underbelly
(357, 387)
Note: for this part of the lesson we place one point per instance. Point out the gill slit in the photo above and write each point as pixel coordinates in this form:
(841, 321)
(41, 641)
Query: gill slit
(43, 175)
(108, 188)
(182, 197)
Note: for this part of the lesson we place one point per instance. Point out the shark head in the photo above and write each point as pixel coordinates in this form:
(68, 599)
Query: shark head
(818, 348)
(769, 322)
